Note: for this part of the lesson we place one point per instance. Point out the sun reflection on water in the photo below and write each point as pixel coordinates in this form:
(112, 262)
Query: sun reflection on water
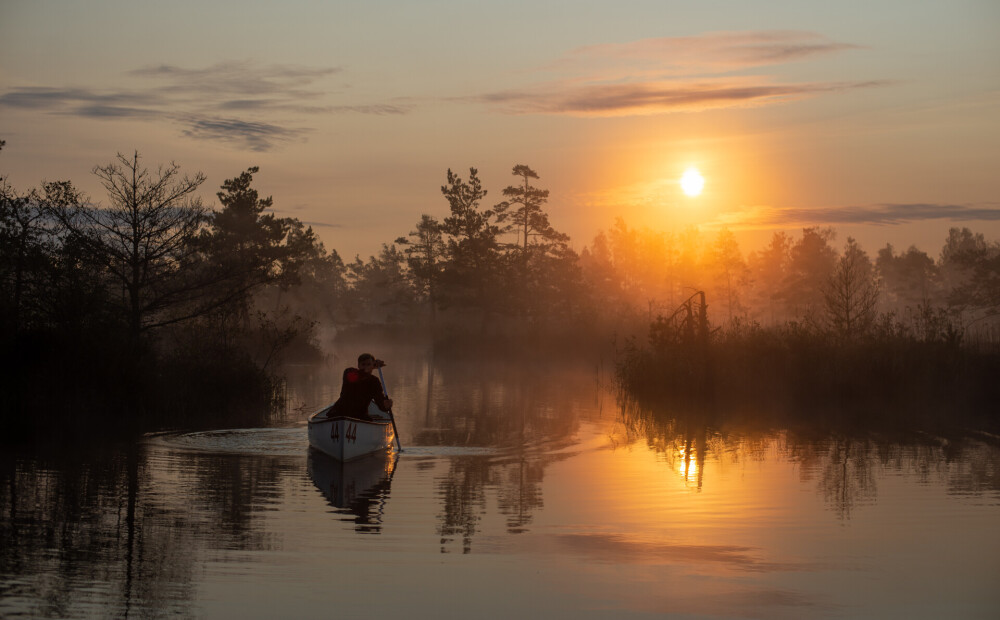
(687, 467)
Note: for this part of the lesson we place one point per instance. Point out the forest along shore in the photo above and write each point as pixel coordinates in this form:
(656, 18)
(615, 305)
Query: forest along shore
(148, 309)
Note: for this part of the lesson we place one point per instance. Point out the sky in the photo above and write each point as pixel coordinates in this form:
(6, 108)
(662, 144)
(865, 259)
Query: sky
(880, 118)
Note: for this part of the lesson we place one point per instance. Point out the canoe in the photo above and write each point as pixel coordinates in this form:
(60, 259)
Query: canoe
(346, 439)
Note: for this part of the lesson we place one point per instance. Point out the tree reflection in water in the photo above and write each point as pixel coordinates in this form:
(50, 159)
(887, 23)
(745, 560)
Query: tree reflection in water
(845, 463)
(495, 406)
(499, 416)
(128, 530)
(514, 481)
(463, 495)
(117, 531)
(82, 523)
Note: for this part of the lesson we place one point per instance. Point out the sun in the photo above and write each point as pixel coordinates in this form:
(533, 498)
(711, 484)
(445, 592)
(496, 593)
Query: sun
(692, 182)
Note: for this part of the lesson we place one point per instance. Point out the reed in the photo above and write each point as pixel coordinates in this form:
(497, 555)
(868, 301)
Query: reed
(888, 376)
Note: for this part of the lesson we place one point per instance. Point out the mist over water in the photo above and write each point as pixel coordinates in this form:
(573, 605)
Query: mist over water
(524, 488)
(699, 323)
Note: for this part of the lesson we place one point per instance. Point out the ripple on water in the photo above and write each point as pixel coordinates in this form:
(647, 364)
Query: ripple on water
(259, 441)
(448, 451)
(280, 442)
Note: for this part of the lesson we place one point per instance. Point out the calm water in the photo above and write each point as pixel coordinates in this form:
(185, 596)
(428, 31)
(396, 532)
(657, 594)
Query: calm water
(522, 491)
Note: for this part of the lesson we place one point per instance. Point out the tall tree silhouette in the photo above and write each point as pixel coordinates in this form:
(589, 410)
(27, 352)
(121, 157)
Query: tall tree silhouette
(27, 249)
(523, 208)
(971, 266)
(380, 287)
(250, 249)
(851, 292)
(474, 272)
(425, 250)
(245, 240)
(811, 261)
(769, 268)
(542, 255)
(144, 239)
(731, 272)
(909, 278)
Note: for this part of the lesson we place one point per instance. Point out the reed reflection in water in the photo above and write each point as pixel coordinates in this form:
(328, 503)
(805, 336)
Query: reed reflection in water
(845, 463)
(519, 493)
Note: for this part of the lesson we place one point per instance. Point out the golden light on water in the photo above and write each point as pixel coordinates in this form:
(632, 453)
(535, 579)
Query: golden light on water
(688, 467)
(692, 182)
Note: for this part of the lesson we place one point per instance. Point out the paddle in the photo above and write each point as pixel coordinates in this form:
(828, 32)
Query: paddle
(392, 418)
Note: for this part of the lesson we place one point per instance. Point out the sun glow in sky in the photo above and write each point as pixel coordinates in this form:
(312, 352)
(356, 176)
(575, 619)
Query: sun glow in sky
(692, 182)
(816, 118)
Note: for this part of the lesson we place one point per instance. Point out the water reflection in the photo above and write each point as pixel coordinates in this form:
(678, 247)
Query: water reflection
(123, 533)
(523, 415)
(845, 465)
(620, 550)
(513, 484)
(76, 535)
(495, 404)
(359, 488)
(501, 460)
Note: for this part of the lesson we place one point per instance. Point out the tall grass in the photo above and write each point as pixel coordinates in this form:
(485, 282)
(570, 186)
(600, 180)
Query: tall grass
(889, 376)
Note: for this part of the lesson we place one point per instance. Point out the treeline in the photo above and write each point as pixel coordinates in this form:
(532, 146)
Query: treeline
(153, 308)
(156, 307)
(146, 310)
(802, 332)
(807, 280)
(505, 269)
(480, 267)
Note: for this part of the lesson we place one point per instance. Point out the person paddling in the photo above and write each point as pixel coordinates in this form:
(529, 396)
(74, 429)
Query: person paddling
(359, 388)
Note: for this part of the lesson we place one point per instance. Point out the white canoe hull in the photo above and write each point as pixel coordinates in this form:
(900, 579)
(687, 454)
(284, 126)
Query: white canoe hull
(346, 439)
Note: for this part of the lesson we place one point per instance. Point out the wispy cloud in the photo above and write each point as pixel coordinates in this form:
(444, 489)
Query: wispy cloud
(709, 53)
(239, 78)
(239, 103)
(672, 74)
(60, 98)
(646, 98)
(877, 214)
(254, 135)
(378, 109)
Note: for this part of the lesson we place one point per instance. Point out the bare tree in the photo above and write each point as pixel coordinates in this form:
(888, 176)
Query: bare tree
(144, 238)
(852, 291)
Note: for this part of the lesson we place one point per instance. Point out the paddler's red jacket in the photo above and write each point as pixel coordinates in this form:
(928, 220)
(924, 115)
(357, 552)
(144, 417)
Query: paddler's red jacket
(357, 391)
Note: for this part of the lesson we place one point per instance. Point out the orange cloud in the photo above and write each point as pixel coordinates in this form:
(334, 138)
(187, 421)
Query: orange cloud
(672, 74)
(876, 214)
(645, 98)
(709, 53)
